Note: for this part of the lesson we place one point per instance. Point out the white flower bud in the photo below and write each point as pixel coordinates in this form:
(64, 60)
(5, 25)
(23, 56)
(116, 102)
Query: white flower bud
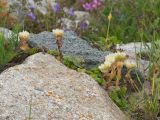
(23, 35)
(58, 32)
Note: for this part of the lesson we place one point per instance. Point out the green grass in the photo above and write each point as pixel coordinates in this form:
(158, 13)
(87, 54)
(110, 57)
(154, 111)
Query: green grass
(130, 21)
(7, 48)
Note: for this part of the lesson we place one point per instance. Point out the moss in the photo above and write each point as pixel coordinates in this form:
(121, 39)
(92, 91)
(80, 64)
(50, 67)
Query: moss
(32, 51)
(53, 52)
(96, 74)
(73, 62)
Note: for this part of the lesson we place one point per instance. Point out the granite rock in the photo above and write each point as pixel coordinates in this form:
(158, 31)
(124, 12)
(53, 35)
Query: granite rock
(52, 91)
(136, 47)
(72, 46)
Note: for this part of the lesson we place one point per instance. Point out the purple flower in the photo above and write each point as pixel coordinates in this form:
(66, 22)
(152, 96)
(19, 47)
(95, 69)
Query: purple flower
(31, 16)
(56, 8)
(87, 6)
(92, 5)
(70, 11)
(83, 25)
(96, 3)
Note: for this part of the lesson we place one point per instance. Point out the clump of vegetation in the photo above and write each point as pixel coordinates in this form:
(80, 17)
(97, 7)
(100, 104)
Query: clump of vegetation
(142, 104)
(73, 62)
(96, 74)
(11, 52)
(118, 95)
(113, 70)
(7, 48)
(152, 101)
(53, 52)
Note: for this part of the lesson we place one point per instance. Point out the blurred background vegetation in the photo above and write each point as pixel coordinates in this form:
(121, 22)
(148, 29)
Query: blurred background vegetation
(131, 21)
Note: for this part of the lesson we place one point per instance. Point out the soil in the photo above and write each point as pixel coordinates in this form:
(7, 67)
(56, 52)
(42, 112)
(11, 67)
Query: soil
(138, 114)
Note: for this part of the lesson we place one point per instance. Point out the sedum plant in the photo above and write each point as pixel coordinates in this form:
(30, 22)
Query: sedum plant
(112, 70)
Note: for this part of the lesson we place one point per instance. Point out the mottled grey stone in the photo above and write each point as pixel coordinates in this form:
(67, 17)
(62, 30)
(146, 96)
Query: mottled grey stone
(58, 93)
(136, 47)
(72, 45)
(6, 32)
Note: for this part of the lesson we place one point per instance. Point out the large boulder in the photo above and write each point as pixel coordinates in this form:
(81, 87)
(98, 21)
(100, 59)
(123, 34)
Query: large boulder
(72, 46)
(45, 89)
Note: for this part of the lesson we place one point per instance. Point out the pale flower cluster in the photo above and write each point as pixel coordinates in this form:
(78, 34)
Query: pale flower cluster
(23, 35)
(57, 32)
(112, 58)
(129, 64)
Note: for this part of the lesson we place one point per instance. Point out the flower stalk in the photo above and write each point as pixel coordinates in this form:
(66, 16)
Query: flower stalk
(109, 22)
(58, 33)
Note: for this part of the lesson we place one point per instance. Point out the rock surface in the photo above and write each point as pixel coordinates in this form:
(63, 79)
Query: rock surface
(72, 45)
(58, 93)
(136, 47)
(75, 46)
(6, 32)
